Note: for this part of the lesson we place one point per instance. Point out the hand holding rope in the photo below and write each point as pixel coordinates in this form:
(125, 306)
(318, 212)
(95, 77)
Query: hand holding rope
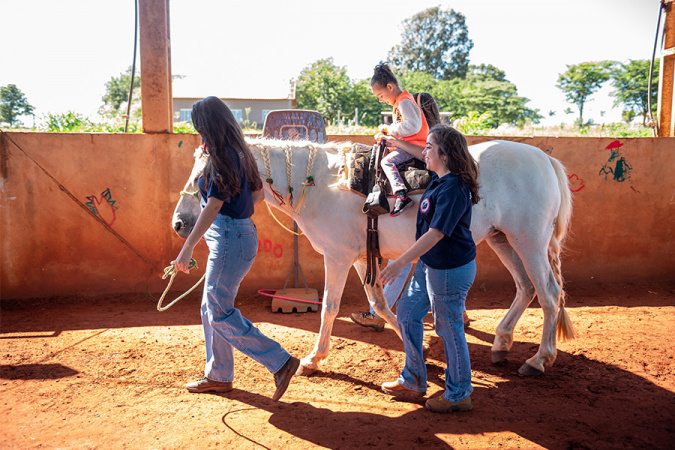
(172, 271)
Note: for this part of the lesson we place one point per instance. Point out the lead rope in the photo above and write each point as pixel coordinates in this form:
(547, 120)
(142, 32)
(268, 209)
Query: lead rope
(172, 271)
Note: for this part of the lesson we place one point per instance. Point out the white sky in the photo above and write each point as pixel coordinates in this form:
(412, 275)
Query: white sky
(61, 53)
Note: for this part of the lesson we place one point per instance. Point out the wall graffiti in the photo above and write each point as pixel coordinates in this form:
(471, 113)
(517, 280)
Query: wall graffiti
(104, 207)
(268, 246)
(576, 183)
(616, 166)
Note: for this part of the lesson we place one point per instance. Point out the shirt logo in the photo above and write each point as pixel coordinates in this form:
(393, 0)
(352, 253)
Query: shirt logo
(424, 206)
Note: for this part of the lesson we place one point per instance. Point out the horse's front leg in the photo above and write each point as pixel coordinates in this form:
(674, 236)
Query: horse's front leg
(336, 277)
(376, 297)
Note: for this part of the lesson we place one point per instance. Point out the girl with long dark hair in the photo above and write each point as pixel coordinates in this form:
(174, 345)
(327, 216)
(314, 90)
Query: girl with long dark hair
(230, 187)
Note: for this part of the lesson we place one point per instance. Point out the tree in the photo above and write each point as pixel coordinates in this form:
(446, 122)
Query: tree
(434, 41)
(117, 95)
(325, 87)
(484, 90)
(370, 108)
(13, 103)
(631, 81)
(580, 81)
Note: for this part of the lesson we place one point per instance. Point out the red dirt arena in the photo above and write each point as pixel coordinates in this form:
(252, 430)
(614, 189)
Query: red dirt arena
(109, 372)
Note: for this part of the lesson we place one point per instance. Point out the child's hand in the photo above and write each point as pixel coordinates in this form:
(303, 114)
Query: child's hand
(379, 137)
(383, 129)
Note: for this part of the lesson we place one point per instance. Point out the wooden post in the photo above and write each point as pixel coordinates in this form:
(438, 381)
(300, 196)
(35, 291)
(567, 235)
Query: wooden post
(666, 108)
(155, 44)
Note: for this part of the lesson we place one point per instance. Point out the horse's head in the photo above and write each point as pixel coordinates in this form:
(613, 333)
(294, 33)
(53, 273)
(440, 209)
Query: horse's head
(188, 209)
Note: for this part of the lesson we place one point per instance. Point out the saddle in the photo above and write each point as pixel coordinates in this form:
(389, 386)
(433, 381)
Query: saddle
(372, 183)
(361, 173)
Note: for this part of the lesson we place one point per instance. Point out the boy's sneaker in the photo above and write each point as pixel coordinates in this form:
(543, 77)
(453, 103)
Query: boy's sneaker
(401, 205)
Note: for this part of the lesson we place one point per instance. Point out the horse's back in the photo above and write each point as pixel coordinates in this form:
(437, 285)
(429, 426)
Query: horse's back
(518, 186)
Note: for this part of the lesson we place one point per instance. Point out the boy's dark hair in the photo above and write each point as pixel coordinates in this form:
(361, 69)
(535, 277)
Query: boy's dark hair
(383, 75)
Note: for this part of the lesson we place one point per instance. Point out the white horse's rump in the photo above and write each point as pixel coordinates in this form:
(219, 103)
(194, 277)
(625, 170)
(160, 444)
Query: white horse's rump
(523, 215)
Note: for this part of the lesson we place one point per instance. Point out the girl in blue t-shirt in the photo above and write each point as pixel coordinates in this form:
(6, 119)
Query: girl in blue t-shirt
(443, 275)
(230, 187)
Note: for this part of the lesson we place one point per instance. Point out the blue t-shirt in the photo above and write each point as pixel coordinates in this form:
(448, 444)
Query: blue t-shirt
(238, 207)
(446, 205)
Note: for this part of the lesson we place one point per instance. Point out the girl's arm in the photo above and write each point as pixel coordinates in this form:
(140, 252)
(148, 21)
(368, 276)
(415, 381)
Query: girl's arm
(258, 196)
(414, 150)
(412, 120)
(419, 248)
(204, 221)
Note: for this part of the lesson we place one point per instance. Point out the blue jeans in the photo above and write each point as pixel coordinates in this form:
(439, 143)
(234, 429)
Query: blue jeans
(233, 244)
(392, 291)
(444, 291)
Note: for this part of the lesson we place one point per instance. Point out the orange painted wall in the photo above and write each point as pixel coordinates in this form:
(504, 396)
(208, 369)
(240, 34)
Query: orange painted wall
(51, 246)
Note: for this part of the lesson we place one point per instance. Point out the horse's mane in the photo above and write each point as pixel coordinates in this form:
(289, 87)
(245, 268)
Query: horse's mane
(330, 147)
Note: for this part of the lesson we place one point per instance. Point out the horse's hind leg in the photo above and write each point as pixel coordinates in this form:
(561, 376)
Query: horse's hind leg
(524, 295)
(536, 262)
(336, 277)
(376, 297)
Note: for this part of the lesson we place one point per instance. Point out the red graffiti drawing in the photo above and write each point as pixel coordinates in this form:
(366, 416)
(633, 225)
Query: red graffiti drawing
(103, 207)
(576, 183)
(266, 246)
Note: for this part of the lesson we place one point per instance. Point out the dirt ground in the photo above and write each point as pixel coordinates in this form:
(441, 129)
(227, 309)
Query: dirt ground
(110, 373)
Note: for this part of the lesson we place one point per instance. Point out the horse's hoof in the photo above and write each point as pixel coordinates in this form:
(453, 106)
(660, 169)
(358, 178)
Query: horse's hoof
(425, 350)
(467, 321)
(527, 370)
(305, 371)
(499, 356)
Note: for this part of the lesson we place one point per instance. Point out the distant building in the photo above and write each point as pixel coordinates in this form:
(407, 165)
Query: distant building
(251, 109)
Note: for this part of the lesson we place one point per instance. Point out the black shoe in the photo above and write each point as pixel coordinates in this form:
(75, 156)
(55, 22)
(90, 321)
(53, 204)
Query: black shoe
(401, 205)
(283, 376)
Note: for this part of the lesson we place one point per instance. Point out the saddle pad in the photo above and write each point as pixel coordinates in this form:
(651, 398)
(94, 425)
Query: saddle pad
(415, 175)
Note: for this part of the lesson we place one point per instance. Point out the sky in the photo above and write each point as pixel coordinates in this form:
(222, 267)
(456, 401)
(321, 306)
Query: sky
(60, 54)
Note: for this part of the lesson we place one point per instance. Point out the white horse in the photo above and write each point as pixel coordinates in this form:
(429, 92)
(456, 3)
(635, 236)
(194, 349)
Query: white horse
(523, 215)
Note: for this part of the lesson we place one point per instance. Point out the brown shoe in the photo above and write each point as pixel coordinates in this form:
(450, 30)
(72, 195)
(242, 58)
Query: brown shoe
(283, 376)
(368, 320)
(206, 385)
(441, 405)
(398, 390)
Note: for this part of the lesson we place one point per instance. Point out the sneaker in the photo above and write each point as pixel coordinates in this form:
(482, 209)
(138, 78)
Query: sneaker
(401, 205)
(368, 320)
(441, 405)
(398, 390)
(206, 385)
(283, 376)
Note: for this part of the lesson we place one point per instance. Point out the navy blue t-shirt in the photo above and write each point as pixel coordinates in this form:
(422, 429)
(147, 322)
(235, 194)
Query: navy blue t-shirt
(238, 207)
(446, 205)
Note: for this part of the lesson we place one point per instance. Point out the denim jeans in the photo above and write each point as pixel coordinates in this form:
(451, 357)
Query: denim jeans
(233, 244)
(392, 291)
(444, 291)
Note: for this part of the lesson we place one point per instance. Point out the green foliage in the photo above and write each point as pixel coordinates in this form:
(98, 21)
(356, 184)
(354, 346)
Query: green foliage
(580, 81)
(184, 128)
(370, 108)
(68, 122)
(117, 95)
(484, 89)
(324, 87)
(474, 124)
(631, 81)
(13, 103)
(434, 41)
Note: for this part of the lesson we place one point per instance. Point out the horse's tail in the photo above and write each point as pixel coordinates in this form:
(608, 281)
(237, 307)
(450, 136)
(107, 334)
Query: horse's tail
(565, 330)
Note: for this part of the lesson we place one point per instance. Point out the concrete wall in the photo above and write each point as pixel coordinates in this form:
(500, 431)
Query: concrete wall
(51, 244)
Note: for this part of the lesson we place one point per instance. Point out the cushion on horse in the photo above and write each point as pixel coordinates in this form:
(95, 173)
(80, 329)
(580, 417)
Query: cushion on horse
(415, 175)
